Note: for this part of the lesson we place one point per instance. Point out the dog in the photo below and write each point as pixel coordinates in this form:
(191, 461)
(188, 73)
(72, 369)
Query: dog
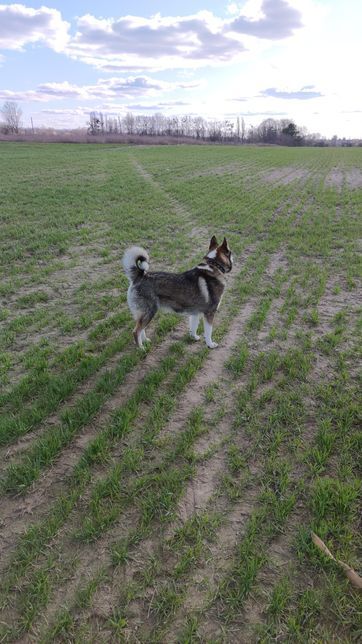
(196, 292)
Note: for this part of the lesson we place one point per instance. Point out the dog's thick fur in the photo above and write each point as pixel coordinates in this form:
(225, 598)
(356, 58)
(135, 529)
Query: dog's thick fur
(195, 292)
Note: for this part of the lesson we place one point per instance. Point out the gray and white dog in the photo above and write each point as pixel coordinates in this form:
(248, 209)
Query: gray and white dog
(195, 292)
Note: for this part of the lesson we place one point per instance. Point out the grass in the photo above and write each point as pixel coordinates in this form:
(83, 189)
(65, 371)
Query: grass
(279, 422)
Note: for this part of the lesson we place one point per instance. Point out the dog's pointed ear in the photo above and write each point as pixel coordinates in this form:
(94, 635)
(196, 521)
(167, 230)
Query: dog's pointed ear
(224, 245)
(213, 243)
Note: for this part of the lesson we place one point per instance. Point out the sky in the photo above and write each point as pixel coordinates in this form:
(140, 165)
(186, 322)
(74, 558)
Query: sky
(257, 59)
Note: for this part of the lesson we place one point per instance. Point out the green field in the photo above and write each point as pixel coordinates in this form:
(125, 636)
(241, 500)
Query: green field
(168, 495)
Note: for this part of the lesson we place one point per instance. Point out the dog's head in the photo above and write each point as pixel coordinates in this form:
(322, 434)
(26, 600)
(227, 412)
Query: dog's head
(220, 255)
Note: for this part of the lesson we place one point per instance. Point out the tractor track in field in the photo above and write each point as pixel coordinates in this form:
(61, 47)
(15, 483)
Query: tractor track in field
(179, 209)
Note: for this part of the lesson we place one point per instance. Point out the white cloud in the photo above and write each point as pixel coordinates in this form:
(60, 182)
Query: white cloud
(277, 20)
(305, 93)
(161, 106)
(109, 88)
(133, 42)
(21, 25)
(232, 8)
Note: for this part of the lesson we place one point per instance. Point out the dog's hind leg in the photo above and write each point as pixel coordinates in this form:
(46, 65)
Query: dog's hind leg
(144, 337)
(208, 320)
(139, 332)
(193, 325)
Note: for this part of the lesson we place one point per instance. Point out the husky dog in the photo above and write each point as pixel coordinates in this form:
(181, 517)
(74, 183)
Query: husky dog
(195, 292)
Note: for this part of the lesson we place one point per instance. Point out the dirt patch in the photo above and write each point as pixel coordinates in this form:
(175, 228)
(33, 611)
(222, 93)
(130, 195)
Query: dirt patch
(201, 487)
(285, 175)
(218, 171)
(334, 179)
(89, 269)
(337, 177)
(354, 178)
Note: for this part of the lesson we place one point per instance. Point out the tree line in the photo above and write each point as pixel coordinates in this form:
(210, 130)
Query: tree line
(160, 128)
(197, 128)
(282, 132)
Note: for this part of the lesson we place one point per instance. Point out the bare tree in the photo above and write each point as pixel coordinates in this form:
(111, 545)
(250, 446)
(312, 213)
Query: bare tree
(268, 131)
(129, 123)
(243, 130)
(94, 125)
(11, 113)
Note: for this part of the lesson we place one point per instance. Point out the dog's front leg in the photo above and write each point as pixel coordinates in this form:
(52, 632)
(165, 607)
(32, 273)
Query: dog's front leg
(193, 325)
(208, 320)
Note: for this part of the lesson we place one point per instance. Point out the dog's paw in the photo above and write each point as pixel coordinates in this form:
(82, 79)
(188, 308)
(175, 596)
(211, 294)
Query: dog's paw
(146, 339)
(195, 337)
(212, 345)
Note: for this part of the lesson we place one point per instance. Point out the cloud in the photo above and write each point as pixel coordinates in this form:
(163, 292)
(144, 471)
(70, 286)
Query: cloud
(278, 20)
(76, 111)
(304, 93)
(109, 88)
(158, 107)
(147, 43)
(133, 42)
(21, 25)
(232, 8)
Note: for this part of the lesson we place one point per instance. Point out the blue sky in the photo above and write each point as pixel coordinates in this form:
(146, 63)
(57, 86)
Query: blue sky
(257, 59)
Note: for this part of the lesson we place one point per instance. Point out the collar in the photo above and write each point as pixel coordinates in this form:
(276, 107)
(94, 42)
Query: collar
(215, 263)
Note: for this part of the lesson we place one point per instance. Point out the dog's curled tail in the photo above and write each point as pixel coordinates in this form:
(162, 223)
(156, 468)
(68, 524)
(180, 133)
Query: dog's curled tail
(135, 262)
